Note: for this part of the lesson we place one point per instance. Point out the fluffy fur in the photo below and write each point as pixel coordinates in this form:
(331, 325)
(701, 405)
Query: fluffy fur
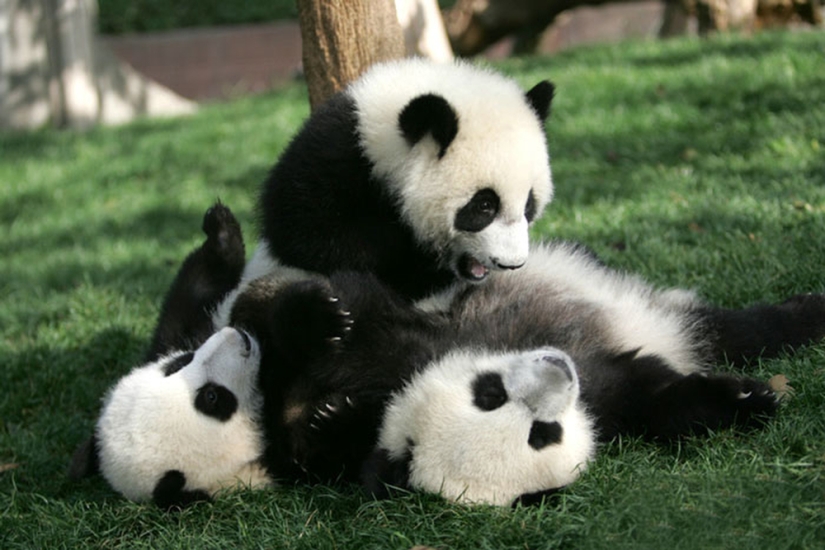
(207, 400)
(419, 173)
(484, 427)
(335, 351)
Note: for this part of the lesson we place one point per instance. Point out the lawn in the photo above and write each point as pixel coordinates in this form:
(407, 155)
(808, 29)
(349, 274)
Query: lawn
(695, 163)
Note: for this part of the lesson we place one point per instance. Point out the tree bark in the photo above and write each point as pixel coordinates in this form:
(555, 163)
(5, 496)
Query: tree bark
(342, 38)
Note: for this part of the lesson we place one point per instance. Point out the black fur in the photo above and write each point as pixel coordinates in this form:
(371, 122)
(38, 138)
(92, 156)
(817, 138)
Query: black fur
(541, 497)
(170, 495)
(207, 275)
(488, 391)
(383, 477)
(479, 212)
(530, 207)
(178, 363)
(311, 358)
(766, 330)
(322, 210)
(429, 114)
(85, 461)
(334, 349)
(216, 401)
(543, 434)
(540, 96)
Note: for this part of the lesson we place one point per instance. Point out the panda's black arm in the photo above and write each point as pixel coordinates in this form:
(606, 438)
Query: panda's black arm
(699, 403)
(765, 330)
(338, 346)
(205, 277)
(632, 395)
(295, 324)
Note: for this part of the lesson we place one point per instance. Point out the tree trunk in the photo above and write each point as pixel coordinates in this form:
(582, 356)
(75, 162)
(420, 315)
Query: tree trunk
(342, 38)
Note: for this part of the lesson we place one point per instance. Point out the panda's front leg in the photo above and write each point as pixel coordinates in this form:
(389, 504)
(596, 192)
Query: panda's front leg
(309, 320)
(207, 274)
(699, 403)
(296, 326)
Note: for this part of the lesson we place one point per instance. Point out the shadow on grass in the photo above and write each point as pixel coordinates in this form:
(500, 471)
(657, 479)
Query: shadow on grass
(160, 230)
(52, 396)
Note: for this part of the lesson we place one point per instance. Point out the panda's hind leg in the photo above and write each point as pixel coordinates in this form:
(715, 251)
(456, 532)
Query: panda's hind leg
(207, 274)
(762, 330)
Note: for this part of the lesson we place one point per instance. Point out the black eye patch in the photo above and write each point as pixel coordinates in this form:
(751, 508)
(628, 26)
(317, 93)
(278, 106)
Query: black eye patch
(543, 434)
(216, 401)
(479, 212)
(488, 391)
(530, 207)
(178, 363)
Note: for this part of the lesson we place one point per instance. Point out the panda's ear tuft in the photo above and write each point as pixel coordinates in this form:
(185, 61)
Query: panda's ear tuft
(539, 98)
(84, 460)
(429, 114)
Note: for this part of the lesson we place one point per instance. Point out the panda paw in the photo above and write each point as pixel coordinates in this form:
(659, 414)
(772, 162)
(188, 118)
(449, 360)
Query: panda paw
(699, 403)
(340, 324)
(732, 401)
(329, 409)
(224, 238)
(324, 321)
(754, 401)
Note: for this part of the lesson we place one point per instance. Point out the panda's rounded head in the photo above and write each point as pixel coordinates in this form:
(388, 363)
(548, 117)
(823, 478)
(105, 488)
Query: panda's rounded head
(463, 153)
(478, 427)
(181, 428)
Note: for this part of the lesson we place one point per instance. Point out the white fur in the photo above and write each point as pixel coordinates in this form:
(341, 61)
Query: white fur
(149, 424)
(500, 145)
(635, 314)
(504, 243)
(476, 456)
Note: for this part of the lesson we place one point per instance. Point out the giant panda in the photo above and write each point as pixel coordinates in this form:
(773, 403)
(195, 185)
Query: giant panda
(418, 172)
(354, 383)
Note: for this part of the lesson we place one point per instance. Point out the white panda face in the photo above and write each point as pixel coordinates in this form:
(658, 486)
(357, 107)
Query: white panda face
(191, 414)
(488, 239)
(484, 428)
(464, 153)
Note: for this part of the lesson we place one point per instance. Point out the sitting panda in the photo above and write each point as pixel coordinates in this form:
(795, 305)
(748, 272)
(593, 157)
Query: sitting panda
(339, 378)
(419, 172)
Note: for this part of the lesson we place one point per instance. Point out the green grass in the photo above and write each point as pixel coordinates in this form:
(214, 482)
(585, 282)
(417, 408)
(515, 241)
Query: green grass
(695, 163)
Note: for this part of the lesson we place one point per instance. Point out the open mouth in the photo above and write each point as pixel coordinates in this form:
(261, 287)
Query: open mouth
(471, 269)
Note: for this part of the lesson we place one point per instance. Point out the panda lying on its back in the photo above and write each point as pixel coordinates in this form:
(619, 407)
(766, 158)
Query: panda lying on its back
(487, 393)
(418, 172)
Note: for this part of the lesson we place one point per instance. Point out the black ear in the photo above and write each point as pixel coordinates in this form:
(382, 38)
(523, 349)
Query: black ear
(85, 460)
(170, 496)
(380, 474)
(539, 98)
(429, 114)
(547, 497)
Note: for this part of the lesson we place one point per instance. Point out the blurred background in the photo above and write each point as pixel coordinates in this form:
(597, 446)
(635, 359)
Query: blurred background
(83, 62)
